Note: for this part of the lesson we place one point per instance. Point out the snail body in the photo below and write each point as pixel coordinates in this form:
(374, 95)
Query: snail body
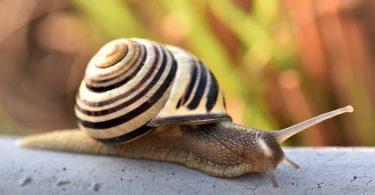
(143, 99)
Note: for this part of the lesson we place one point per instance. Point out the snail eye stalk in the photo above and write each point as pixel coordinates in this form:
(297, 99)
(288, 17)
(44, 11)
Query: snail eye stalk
(282, 135)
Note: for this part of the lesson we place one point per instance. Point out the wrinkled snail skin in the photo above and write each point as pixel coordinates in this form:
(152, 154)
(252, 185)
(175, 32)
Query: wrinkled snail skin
(143, 99)
(223, 150)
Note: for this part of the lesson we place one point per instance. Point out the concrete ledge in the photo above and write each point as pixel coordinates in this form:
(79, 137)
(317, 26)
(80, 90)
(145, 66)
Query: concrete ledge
(323, 170)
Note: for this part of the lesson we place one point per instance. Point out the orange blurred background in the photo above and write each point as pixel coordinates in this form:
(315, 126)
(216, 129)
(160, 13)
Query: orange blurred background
(278, 61)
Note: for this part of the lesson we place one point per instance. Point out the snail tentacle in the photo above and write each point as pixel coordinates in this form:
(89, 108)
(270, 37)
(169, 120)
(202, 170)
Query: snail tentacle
(143, 99)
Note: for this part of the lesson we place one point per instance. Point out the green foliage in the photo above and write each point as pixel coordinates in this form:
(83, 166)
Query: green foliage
(113, 17)
(264, 51)
(116, 19)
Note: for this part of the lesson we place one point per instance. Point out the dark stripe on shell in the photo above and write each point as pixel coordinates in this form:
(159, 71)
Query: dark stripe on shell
(155, 79)
(190, 119)
(128, 92)
(213, 93)
(189, 89)
(121, 56)
(141, 94)
(117, 74)
(128, 136)
(121, 82)
(137, 111)
(200, 89)
(224, 104)
(143, 48)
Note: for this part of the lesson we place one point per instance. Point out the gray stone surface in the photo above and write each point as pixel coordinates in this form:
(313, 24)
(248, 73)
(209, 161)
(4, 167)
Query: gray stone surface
(323, 171)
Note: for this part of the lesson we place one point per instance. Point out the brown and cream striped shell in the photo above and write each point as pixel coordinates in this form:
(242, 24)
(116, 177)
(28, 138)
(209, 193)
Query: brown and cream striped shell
(134, 85)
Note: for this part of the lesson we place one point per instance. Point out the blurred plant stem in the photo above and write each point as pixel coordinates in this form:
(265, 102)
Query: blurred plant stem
(200, 39)
(113, 17)
(205, 45)
(278, 61)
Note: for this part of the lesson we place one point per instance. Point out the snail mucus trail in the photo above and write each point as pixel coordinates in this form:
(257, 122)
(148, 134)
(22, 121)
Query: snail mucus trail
(143, 99)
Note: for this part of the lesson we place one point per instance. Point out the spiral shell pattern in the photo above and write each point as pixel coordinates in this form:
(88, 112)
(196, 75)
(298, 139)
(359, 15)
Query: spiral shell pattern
(126, 85)
(133, 85)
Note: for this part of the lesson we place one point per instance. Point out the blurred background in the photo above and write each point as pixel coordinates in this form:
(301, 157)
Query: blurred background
(278, 61)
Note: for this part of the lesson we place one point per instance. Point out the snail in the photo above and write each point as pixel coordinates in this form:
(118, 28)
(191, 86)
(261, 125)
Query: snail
(144, 99)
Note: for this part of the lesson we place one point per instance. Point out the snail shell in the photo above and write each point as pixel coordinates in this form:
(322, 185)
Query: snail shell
(133, 85)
